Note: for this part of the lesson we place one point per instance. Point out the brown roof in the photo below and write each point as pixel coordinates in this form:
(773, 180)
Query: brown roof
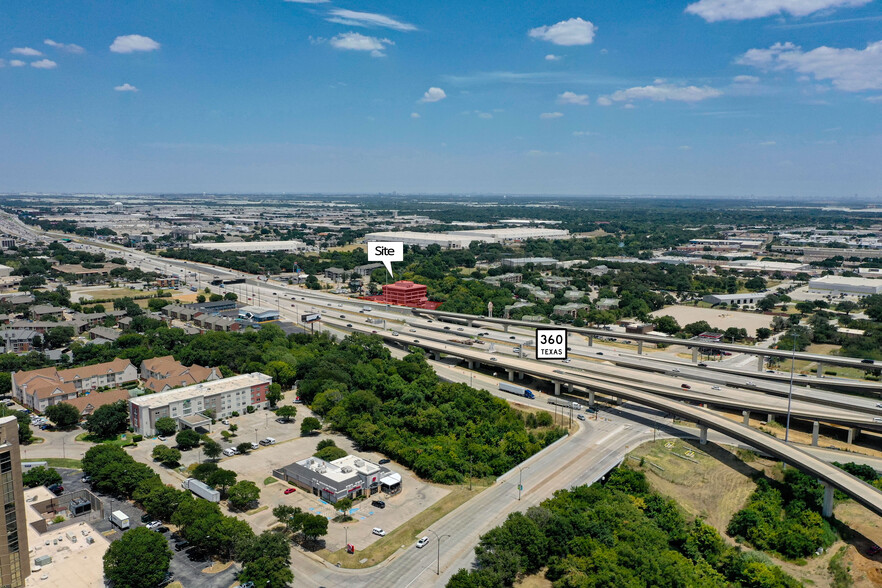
(163, 365)
(90, 402)
(88, 371)
(173, 373)
(50, 389)
(47, 374)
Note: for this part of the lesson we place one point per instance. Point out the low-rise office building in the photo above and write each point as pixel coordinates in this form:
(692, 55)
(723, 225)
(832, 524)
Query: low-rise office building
(847, 286)
(348, 477)
(188, 405)
(749, 298)
(258, 314)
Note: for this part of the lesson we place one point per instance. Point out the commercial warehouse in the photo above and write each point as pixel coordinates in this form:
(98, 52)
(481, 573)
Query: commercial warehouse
(188, 405)
(462, 239)
(739, 299)
(290, 246)
(841, 285)
(347, 477)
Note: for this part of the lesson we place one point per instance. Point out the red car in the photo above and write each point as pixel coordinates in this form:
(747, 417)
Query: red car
(873, 550)
(686, 386)
(290, 490)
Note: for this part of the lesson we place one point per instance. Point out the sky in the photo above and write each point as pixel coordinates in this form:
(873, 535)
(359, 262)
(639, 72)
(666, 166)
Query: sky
(777, 98)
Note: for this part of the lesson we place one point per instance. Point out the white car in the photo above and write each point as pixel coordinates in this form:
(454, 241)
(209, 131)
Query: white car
(422, 542)
(378, 531)
(676, 370)
(225, 421)
(715, 387)
(581, 417)
(153, 524)
(567, 360)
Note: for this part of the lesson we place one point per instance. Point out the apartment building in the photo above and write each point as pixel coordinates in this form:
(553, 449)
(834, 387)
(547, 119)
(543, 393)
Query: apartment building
(188, 405)
(40, 388)
(161, 374)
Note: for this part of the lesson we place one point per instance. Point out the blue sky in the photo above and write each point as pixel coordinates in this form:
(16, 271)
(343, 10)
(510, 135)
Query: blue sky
(729, 97)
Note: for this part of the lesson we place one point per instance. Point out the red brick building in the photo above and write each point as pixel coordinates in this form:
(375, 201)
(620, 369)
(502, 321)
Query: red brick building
(405, 293)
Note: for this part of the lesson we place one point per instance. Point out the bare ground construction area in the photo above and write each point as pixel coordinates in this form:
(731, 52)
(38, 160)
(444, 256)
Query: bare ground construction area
(713, 482)
(718, 318)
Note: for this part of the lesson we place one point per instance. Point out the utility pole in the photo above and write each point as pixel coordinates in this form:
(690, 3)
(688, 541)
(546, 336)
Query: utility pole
(520, 480)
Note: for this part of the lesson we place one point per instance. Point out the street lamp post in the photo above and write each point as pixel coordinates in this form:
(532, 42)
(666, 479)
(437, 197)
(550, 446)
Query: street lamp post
(438, 538)
(520, 480)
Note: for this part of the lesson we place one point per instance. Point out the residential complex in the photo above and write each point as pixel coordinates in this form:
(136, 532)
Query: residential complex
(188, 405)
(164, 373)
(40, 388)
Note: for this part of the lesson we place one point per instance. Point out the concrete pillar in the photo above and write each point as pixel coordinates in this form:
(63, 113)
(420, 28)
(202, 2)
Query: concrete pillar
(471, 364)
(702, 438)
(760, 363)
(520, 375)
(770, 419)
(853, 433)
(511, 374)
(591, 398)
(557, 388)
(505, 327)
(639, 347)
(820, 370)
(695, 355)
(746, 415)
(570, 388)
(619, 400)
(437, 356)
(470, 323)
(827, 510)
(590, 340)
(816, 430)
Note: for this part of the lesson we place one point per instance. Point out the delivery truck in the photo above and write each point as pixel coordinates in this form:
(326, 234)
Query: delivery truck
(519, 390)
(565, 403)
(120, 519)
(202, 490)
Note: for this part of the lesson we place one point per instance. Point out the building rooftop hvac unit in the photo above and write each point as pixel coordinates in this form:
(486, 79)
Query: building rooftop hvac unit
(358, 463)
(346, 470)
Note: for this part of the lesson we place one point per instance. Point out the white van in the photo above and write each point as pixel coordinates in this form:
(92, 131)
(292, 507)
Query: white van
(230, 452)
(269, 441)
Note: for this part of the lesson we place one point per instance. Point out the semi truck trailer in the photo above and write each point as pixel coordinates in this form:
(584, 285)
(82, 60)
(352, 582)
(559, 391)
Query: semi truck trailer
(519, 390)
(201, 490)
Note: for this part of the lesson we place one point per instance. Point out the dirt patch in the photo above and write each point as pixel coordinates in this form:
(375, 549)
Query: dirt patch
(217, 567)
(536, 580)
(866, 571)
(719, 318)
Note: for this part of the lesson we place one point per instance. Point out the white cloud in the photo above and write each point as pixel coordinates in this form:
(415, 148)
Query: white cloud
(44, 64)
(628, 106)
(358, 42)
(717, 10)
(550, 115)
(746, 80)
(69, 47)
(661, 92)
(133, 43)
(26, 51)
(484, 115)
(125, 88)
(574, 31)
(368, 19)
(573, 98)
(768, 143)
(874, 99)
(2, 63)
(553, 57)
(850, 70)
(433, 95)
(17, 63)
(415, 115)
(684, 148)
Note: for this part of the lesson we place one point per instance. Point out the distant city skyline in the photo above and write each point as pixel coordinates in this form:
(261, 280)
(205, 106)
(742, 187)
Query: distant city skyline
(769, 98)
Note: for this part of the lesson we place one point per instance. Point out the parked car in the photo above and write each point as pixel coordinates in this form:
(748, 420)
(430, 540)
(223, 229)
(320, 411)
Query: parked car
(581, 417)
(873, 550)
(146, 518)
(568, 360)
(181, 545)
(290, 490)
(56, 489)
(715, 387)
(422, 542)
(384, 461)
(160, 438)
(161, 529)
(154, 524)
(255, 445)
(378, 503)
(701, 364)
(378, 531)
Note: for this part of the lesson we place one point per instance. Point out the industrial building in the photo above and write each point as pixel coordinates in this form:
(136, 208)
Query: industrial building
(749, 298)
(770, 267)
(14, 553)
(188, 405)
(289, 246)
(847, 286)
(522, 261)
(258, 314)
(514, 235)
(443, 240)
(347, 477)
(462, 239)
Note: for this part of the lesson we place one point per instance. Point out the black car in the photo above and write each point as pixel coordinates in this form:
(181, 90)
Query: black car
(146, 518)
(56, 489)
(702, 365)
(378, 504)
(866, 361)
(161, 529)
(384, 460)
(181, 545)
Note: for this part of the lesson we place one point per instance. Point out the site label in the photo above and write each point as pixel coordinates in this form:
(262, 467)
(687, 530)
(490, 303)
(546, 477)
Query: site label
(551, 343)
(387, 252)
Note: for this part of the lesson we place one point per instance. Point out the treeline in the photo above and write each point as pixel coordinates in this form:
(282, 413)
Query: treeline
(401, 409)
(621, 534)
(784, 518)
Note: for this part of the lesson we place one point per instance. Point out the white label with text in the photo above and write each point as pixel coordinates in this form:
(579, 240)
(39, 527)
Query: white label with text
(551, 343)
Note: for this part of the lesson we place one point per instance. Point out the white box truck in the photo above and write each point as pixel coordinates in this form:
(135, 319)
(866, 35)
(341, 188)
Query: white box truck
(201, 490)
(519, 390)
(120, 519)
(565, 403)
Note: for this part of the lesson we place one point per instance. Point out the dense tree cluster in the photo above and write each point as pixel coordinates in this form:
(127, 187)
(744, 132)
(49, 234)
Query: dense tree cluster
(40, 476)
(618, 535)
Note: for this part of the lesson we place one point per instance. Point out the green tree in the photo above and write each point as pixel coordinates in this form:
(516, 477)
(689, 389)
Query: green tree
(58, 337)
(287, 412)
(314, 526)
(64, 415)
(330, 453)
(168, 456)
(270, 572)
(187, 439)
(763, 333)
(166, 426)
(5, 383)
(667, 324)
(273, 395)
(221, 479)
(285, 514)
(230, 296)
(40, 476)
(109, 420)
(308, 425)
(139, 559)
(244, 447)
(242, 494)
(212, 449)
(343, 505)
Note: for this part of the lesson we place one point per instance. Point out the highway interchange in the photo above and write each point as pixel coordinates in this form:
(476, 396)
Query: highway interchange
(589, 452)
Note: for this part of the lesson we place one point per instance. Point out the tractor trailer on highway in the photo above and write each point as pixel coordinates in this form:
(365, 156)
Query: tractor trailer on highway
(202, 490)
(519, 390)
(565, 403)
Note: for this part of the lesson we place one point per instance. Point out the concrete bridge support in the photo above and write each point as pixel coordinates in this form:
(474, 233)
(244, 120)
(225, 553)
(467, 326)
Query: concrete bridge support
(521, 376)
(471, 364)
(702, 438)
(470, 323)
(746, 415)
(827, 509)
(591, 398)
(570, 388)
(639, 347)
(695, 355)
(437, 355)
(816, 430)
(511, 374)
(505, 327)
(760, 363)
(619, 400)
(770, 419)
(590, 340)
(820, 370)
(853, 434)
(557, 388)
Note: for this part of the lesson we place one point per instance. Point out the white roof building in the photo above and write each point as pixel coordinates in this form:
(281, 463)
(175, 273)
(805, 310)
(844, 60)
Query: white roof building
(838, 285)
